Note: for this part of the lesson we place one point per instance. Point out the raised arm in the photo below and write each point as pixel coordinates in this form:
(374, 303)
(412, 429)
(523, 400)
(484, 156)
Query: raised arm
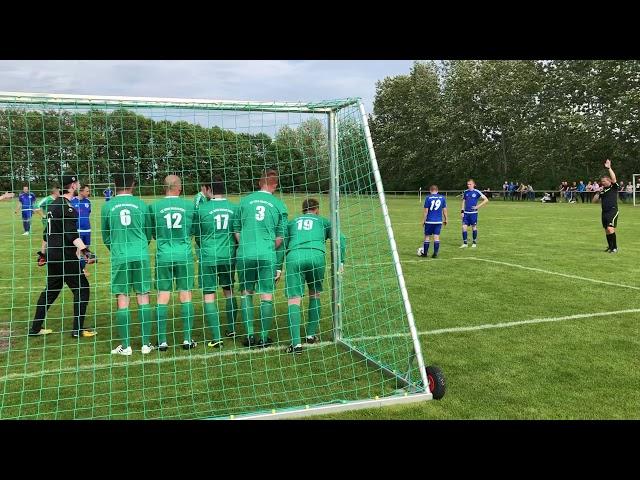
(607, 165)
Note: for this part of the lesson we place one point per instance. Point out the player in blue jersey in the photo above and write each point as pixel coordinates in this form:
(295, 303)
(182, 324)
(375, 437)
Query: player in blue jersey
(82, 204)
(435, 215)
(469, 211)
(107, 194)
(27, 201)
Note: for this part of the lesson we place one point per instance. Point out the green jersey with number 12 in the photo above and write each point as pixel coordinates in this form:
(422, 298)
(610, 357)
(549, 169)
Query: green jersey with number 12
(172, 223)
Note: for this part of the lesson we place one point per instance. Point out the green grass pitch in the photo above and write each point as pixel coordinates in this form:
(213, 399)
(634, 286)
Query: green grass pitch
(536, 323)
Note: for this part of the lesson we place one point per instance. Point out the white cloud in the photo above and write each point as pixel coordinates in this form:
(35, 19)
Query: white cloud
(263, 80)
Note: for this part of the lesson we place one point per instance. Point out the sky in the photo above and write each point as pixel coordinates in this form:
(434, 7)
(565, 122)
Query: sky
(258, 80)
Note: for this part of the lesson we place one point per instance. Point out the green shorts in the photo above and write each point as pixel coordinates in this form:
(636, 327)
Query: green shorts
(304, 267)
(181, 272)
(260, 271)
(210, 276)
(134, 275)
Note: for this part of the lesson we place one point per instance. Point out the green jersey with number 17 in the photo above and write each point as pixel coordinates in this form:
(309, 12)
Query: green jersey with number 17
(212, 227)
(262, 217)
(126, 229)
(172, 223)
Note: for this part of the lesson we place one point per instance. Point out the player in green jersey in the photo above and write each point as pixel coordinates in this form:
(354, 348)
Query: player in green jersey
(172, 224)
(305, 264)
(126, 231)
(260, 229)
(41, 209)
(213, 224)
(200, 197)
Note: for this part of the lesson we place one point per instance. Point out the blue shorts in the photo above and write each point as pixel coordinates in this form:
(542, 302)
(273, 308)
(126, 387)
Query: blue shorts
(470, 219)
(432, 228)
(85, 237)
(26, 214)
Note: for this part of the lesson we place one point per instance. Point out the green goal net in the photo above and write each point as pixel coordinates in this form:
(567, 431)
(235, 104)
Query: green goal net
(356, 345)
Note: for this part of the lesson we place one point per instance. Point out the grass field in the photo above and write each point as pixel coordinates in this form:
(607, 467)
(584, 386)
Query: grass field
(538, 322)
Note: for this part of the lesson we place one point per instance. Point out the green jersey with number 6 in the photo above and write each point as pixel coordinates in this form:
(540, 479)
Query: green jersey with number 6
(261, 218)
(212, 227)
(172, 223)
(126, 229)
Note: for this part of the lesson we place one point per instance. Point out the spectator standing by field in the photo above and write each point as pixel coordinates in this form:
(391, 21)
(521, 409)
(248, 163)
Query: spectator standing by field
(582, 190)
(531, 194)
(505, 189)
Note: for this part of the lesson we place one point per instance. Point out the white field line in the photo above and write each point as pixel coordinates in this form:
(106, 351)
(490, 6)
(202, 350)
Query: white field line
(488, 326)
(513, 265)
(566, 275)
(134, 363)
(246, 351)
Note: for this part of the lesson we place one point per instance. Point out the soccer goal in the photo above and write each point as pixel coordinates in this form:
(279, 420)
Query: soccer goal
(367, 353)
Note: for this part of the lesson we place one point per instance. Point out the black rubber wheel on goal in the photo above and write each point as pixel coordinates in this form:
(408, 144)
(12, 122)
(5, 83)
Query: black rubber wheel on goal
(437, 383)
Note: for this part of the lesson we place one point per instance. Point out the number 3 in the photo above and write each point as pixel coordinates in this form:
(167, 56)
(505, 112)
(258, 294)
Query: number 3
(259, 213)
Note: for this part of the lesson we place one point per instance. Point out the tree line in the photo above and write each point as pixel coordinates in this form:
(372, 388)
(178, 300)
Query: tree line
(533, 121)
(37, 146)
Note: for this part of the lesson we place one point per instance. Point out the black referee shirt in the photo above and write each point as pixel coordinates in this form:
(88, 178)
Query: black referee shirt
(62, 230)
(609, 197)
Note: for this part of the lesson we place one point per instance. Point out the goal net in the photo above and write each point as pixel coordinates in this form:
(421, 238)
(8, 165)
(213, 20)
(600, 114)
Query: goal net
(365, 349)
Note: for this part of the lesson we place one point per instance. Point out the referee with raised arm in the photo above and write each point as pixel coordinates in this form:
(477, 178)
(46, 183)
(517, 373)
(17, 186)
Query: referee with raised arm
(608, 196)
(63, 264)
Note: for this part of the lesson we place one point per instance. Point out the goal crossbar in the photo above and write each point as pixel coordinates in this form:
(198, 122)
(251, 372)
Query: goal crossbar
(179, 103)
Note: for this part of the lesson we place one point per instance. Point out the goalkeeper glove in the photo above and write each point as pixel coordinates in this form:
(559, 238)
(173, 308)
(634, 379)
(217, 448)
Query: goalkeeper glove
(88, 256)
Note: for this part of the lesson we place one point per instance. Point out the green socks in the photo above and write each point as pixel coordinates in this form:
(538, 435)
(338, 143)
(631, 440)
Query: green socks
(232, 312)
(187, 311)
(162, 311)
(123, 318)
(314, 317)
(266, 318)
(246, 304)
(212, 318)
(144, 314)
(294, 324)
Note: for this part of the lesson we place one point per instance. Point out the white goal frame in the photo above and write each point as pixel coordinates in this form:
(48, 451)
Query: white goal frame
(636, 180)
(409, 392)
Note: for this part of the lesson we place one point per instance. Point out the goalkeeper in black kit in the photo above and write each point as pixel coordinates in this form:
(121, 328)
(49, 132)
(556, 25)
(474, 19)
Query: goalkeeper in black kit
(63, 264)
(608, 196)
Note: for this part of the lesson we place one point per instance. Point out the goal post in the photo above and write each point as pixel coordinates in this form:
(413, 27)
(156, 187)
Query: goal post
(368, 352)
(636, 187)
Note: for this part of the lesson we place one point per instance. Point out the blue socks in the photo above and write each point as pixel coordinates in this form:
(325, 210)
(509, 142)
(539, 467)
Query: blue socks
(436, 247)
(425, 247)
(464, 237)
(475, 236)
(26, 225)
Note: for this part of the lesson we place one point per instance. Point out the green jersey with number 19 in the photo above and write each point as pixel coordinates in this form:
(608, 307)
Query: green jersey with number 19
(262, 217)
(172, 223)
(126, 229)
(212, 227)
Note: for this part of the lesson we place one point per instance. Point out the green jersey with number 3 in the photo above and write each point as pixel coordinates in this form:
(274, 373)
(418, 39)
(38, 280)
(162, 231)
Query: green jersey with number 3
(261, 218)
(172, 223)
(212, 227)
(126, 229)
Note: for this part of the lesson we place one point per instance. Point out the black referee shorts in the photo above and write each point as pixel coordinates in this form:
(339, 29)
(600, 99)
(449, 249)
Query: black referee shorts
(610, 218)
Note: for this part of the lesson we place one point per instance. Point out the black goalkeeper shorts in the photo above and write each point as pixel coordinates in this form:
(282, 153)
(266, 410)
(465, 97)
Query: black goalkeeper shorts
(610, 218)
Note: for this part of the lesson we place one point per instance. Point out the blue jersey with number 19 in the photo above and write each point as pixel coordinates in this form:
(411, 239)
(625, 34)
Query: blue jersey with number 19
(435, 203)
